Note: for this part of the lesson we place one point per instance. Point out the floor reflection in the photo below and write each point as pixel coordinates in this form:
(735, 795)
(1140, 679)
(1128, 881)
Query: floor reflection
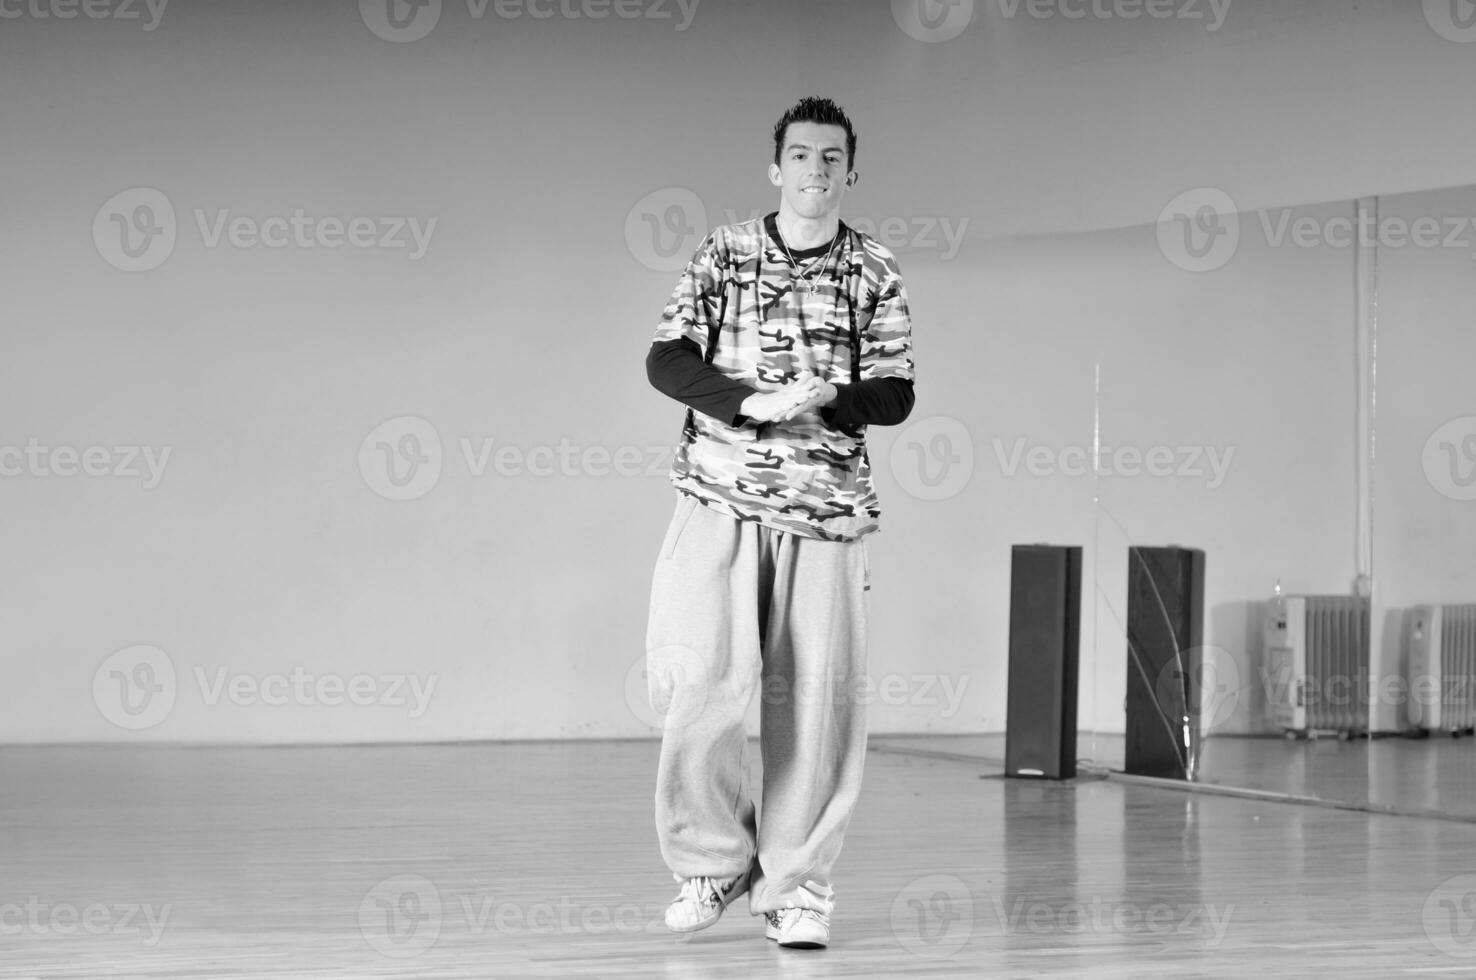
(1428, 776)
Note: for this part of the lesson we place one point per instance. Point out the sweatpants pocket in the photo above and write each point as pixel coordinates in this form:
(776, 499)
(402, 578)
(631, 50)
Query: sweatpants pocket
(686, 504)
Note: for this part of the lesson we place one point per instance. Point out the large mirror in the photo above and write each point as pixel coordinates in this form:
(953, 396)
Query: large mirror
(1233, 419)
(1316, 361)
(1424, 493)
(1282, 389)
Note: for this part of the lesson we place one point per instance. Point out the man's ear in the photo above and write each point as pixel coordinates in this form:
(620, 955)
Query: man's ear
(775, 176)
(851, 178)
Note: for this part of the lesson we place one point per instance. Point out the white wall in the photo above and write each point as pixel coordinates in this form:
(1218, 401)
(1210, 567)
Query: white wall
(263, 550)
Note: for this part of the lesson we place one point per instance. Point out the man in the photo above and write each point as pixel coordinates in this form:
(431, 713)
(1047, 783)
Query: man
(785, 338)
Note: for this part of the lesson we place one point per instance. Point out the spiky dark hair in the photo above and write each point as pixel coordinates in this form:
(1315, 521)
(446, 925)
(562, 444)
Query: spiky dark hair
(813, 109)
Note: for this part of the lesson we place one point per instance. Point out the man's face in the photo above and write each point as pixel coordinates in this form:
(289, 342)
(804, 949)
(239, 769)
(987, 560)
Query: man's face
(812, 171)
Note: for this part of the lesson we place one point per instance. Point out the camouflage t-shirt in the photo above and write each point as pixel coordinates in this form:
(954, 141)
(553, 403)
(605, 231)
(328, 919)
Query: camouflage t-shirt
(802, 476)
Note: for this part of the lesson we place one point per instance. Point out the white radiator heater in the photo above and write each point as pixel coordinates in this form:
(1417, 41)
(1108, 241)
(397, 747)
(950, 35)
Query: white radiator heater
(1442, 667)
(1317, 664)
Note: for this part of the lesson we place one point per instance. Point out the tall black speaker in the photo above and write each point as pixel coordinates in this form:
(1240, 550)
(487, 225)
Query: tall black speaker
(1045, 620)
(1165, 628)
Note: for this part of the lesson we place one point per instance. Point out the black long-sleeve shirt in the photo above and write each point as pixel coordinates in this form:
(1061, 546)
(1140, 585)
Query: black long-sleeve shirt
(676, 368)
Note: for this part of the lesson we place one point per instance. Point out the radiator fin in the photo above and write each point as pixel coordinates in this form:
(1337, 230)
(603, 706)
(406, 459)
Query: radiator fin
(1323, 662)
(1457, 665)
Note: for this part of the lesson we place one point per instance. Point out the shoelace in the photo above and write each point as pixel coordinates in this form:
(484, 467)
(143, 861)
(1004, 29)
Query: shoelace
(702, 891)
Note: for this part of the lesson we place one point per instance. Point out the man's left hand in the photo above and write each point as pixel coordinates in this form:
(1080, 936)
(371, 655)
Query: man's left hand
(807, 411)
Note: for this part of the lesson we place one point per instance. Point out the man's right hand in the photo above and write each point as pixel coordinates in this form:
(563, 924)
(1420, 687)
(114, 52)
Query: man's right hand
(768, 406)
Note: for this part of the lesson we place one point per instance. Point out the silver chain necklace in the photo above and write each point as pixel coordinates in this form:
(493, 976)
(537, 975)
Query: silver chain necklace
(801, 283)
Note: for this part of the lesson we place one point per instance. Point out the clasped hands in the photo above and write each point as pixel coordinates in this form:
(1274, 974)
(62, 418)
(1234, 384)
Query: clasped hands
(797, 400)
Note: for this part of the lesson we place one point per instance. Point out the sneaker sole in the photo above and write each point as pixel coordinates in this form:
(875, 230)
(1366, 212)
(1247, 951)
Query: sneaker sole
(773, 934)
(697, 927)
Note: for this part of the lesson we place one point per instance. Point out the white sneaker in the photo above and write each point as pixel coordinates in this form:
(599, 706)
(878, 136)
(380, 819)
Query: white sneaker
(803, 927)
(798, 928)
(701, 901)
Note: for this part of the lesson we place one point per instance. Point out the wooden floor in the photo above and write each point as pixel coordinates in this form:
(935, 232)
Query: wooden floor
(1425, 776)
(539, 860)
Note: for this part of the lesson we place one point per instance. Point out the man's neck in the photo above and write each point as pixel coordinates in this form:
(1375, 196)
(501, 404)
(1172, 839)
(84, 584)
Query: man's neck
(802, 233)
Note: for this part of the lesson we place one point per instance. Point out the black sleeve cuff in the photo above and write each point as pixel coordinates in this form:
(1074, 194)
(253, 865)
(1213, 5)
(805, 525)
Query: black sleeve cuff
(676, 369)
(876, 401)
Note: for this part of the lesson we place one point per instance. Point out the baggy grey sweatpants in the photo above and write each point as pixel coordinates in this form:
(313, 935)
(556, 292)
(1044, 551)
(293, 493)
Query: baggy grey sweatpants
(734, 603)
